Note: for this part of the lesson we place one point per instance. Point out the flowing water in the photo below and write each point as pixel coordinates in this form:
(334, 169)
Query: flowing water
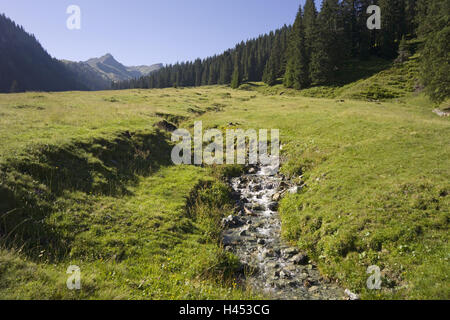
(277, 270)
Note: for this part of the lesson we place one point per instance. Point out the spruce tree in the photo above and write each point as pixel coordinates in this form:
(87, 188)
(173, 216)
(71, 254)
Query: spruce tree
(325, 56)
(434, 29)
(297, 75)
(272, 69)
(236, 77)
(310, 27)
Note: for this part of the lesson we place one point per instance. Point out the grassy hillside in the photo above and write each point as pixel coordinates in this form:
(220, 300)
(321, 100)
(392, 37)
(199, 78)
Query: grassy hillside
(87, 180)
(374, 79)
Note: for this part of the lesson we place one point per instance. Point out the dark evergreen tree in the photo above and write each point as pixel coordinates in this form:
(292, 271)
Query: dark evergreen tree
(310, 27)
(272, 69)
(325, 58)
(297, 75)
(403, 51)
(434, 30)
(236, 77)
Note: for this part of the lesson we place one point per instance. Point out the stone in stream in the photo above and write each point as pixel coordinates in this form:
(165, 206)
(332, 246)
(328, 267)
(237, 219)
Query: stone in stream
(261, 241)
(276, 197)
(252, 171)
(289, 252)
(249, 212)
(273, 206)
(258, 207)
(300, 259)
(283, 186)
(270, 186)
(244, 200)
(268, 254)
(255, 188)
(303, 276)
(313, 289)
(232, 222)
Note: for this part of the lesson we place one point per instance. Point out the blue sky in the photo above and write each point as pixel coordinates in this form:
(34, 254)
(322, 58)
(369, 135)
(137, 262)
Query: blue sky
(148, 31)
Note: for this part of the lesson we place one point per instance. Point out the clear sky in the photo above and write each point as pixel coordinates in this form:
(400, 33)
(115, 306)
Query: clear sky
(145, 32)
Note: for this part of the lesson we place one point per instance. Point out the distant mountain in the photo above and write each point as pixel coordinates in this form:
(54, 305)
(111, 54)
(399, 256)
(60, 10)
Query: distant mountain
(98, 73)
(26, 66)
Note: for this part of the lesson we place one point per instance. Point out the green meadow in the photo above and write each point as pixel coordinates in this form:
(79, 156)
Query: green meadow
(86, 179)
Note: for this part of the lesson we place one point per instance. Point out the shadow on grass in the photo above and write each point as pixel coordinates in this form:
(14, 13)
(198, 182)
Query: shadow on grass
(30, 184)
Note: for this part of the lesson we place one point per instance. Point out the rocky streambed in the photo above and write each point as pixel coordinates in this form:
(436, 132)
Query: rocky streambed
(271, 266)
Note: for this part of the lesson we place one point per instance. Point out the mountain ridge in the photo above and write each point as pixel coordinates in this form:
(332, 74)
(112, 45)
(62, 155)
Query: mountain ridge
(98, 73)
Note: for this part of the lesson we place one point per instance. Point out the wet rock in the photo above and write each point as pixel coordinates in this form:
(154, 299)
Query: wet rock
(289, 252)
(232, 222)
(249, 212)
(276, 196)
(257, 207)
(303, 276)
(268, 254)
(255, 188)
(252, 171)
(244, 200)
(300, 259)
(291, 268)
(261, 241)
(227, 240)
(273, 206)
(313, 289)
(269, 186)
(235, 195)
(283, 186)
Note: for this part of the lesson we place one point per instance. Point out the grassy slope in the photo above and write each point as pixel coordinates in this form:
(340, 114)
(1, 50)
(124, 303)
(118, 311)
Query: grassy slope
(84, 191)
(376, 172)
(377, 176)
(377, 183)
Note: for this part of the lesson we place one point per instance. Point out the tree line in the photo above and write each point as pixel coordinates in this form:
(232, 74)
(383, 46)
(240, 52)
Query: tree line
(312, 51)
(245, 62)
